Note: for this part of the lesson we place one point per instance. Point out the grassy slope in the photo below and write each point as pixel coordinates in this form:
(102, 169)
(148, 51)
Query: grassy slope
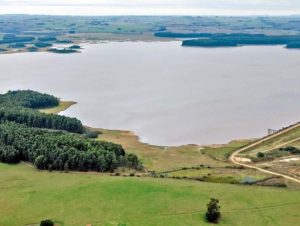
(160, 158)
(274, 142)
(27, 196)
(223, 151)
(63, 105)
(238, 174)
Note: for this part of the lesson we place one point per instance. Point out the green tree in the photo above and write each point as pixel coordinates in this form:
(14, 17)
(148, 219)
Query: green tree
(47, 223)
(41, 162)
(213, 213)
(132, 160)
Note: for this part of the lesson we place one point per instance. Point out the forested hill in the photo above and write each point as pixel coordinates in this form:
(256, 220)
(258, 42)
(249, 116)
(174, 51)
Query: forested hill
(25, 136)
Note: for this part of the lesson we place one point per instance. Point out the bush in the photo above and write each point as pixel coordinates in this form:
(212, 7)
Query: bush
(260, 155)
(92, 134)
(47, 223)
(9, 154)
(41, 162)
(291, 150)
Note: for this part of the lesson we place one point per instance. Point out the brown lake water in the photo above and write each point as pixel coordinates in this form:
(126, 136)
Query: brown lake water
(165, 93)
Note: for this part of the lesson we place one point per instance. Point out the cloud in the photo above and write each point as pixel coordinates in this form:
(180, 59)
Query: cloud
(182, 7)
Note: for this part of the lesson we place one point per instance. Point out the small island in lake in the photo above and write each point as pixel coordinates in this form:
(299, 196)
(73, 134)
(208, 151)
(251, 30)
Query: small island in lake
(63, 50)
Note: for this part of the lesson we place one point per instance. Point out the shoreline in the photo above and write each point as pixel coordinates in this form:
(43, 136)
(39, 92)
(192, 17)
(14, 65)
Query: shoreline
(95, 38)
(65, 105)
(134, 38)
(162, 160)
(154, 157)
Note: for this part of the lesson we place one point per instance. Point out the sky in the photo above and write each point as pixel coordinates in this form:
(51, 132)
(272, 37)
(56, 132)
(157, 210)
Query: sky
(151, 7)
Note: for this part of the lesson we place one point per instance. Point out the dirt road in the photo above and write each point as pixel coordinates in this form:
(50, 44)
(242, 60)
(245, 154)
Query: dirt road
(233, 157)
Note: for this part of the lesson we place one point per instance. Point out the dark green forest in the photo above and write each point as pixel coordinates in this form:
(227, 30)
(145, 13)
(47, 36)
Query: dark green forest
(209, 43)
(219, 40)
(52, 142)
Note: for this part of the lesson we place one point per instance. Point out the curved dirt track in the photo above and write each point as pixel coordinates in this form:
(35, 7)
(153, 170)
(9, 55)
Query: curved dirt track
(232, 157)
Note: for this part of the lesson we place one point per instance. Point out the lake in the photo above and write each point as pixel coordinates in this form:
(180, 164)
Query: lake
(165, 93)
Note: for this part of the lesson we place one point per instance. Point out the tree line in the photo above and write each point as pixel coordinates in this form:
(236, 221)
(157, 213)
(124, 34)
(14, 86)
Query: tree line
(58, 150)
(38, 119)
(217, 40)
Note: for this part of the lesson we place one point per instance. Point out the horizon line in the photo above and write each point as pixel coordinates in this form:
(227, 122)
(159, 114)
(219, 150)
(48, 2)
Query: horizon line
(153, 15)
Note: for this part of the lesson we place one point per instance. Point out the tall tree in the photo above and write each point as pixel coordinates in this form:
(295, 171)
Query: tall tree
(213, 213)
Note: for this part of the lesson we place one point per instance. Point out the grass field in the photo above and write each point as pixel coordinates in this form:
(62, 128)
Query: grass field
(27, 196)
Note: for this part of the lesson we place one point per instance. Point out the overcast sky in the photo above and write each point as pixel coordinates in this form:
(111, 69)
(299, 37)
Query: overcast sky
(151, 7)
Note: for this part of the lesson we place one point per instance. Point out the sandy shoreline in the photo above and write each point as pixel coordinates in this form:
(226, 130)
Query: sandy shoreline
(64, 105)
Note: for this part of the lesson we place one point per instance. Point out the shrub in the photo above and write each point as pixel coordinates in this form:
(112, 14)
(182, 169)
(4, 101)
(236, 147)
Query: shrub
(41, 162)
(47, 223)
(92, 134)
(291, 150)
(260, 155)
